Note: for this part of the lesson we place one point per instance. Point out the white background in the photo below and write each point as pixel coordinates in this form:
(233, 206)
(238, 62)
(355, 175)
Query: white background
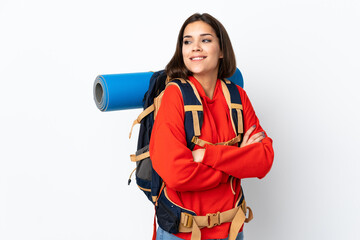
(64, 164)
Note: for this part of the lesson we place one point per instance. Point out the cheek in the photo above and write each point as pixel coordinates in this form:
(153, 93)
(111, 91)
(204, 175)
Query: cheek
(216, 51)
(185, 55)
(184, 51)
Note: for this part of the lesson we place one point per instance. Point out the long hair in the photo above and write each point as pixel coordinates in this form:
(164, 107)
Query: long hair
(227, 66)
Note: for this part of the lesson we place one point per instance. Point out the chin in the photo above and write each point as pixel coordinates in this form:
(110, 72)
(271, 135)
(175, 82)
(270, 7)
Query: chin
(197, 71)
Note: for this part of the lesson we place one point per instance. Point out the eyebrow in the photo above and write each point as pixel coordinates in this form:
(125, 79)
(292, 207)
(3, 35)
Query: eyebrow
(202, 35)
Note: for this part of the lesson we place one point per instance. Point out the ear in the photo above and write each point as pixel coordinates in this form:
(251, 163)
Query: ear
(221, 55)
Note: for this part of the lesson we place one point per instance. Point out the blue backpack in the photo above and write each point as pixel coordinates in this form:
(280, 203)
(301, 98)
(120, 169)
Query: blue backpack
(172, 217)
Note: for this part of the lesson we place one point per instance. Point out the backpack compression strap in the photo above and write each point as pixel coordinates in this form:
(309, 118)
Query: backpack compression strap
(143, 114)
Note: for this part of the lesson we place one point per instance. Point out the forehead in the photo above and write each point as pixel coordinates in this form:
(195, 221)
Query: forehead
(197, 28)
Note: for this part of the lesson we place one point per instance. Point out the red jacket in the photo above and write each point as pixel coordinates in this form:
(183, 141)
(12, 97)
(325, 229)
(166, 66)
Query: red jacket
(205, 187)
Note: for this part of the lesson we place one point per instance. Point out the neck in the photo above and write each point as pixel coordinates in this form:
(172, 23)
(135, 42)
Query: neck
(208, 83)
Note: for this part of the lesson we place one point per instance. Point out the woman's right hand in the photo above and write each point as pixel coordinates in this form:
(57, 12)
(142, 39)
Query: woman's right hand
(257, 137)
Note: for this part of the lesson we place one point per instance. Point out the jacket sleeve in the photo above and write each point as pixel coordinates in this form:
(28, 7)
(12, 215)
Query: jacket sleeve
(171, 158)
(254, 160)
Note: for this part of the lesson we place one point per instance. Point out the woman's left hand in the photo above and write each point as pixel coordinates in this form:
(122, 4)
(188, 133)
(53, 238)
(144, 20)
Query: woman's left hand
(198, 155)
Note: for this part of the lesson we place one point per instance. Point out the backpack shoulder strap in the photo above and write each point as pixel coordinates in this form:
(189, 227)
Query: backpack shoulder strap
(193, 109)
(233, 100)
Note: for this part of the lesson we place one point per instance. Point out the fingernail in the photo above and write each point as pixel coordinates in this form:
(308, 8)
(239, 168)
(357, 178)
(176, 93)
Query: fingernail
(253, 126)
(263, 133)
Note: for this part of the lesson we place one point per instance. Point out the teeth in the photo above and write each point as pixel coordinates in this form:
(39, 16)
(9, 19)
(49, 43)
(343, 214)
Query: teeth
(197, 58)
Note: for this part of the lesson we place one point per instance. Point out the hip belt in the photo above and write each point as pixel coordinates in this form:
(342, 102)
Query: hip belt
(237, 217)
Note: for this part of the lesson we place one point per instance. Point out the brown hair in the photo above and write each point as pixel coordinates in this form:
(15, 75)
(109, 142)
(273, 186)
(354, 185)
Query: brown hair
(227, 66)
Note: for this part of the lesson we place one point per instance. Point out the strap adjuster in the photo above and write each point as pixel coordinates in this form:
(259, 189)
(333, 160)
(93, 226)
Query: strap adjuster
(213, 219)
(188, 220)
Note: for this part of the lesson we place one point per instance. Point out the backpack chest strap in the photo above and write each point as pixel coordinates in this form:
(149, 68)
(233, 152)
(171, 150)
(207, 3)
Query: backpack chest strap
(201, 143)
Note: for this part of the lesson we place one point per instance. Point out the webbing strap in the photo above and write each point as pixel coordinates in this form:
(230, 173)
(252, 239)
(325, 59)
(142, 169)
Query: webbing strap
(157, 102)
(140, 157)
(227, 81)
(202, 143)
(250, 215)
(189, 108)
(238, 107)
(232, 185)
(196, 123)
(158, 196)
(231, 141)
(193, 224)
(240, 120)
(154, 229)
(144, 113)
(236, 224)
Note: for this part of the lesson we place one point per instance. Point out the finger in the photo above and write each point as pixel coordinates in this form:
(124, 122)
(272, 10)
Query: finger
(259, 139)
(255, 136)
(248, 133)
(198, 155)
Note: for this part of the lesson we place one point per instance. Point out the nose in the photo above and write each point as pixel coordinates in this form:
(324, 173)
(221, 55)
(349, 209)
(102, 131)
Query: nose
(196, 47)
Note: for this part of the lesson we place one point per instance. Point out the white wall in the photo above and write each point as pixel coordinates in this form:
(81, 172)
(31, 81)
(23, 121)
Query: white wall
(64, 164)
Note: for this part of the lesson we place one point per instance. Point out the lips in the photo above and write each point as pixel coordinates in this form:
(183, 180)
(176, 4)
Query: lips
(197, 58)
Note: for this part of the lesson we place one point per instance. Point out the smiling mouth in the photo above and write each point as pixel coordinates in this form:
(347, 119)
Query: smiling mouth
(197, 58)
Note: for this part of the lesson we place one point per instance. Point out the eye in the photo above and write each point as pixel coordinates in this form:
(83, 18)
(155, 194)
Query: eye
(186, 42)
(206, 40)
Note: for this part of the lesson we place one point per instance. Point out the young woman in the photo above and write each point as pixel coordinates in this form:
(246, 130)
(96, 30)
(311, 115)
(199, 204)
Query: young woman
(207, 178)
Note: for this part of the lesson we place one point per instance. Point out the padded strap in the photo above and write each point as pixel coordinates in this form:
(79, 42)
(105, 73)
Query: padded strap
(228, 101)
(238, 108)
(194, 109)
(229, 91)
(195, 91)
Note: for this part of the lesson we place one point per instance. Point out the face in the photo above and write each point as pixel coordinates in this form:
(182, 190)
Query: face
(201, 49)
